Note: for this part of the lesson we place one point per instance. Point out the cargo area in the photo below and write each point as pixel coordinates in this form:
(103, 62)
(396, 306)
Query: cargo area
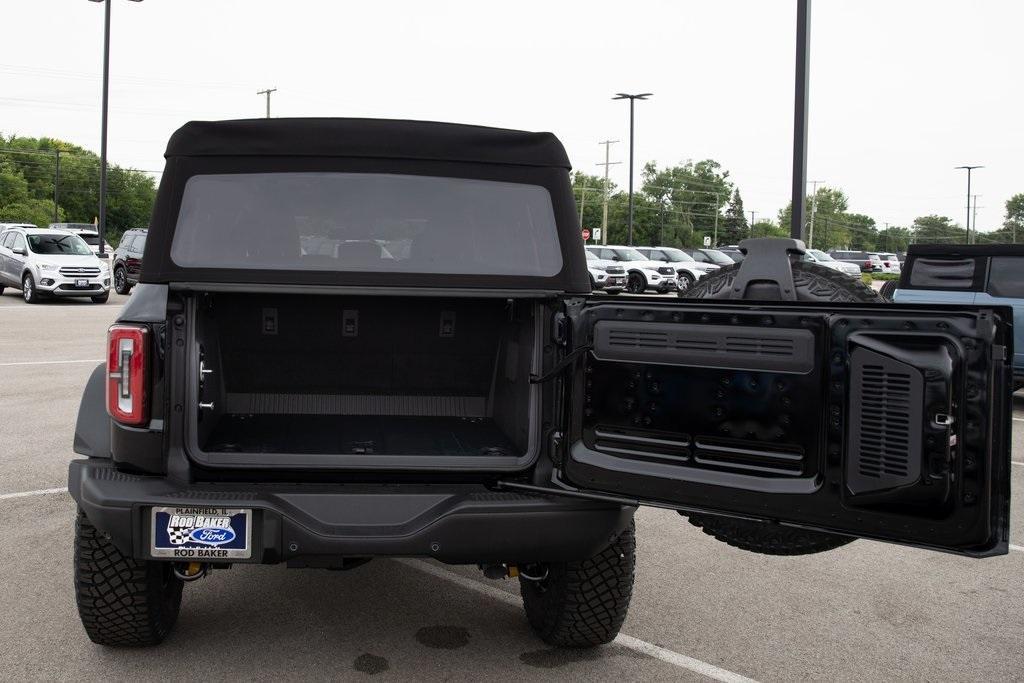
(293, 375)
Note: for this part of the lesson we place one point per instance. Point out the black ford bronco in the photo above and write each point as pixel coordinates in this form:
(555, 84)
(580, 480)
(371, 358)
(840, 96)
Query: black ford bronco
(360, 338)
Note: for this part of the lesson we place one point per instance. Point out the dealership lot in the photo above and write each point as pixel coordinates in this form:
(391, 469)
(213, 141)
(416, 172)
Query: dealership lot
(866, 611)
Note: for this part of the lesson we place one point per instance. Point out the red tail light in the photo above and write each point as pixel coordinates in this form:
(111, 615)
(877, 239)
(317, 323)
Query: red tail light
(867, 264)
(128, 373)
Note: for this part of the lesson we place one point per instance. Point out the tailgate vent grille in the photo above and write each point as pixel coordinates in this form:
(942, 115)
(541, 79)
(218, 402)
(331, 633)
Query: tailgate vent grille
(884, 422)
(731, 347)
(886, 407)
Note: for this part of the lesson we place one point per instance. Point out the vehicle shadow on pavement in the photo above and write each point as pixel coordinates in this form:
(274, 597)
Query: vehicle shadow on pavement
(269, 622)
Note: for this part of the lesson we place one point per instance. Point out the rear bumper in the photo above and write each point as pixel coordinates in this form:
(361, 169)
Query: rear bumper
(321, 524)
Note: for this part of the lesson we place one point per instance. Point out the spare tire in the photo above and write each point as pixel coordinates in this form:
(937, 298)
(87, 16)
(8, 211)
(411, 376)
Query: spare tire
(813, 283)
(888, 289)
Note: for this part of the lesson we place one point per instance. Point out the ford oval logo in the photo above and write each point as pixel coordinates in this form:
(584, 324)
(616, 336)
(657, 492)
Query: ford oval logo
(212, 536)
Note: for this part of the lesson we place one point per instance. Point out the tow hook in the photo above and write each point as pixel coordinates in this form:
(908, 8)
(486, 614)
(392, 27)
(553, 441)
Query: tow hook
(511, 571)
(500, 571)
(191, 571)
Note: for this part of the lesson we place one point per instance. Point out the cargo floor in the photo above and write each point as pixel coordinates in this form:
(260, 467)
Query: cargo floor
(358, 434)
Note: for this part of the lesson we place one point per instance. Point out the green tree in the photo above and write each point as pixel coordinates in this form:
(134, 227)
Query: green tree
(860, 230)
(687, 197)
(766, 227)
(36, 211)
(894, 239)
(734, 224)
(1013, 225)
(937, 229)
(28, 172)
(13, 186)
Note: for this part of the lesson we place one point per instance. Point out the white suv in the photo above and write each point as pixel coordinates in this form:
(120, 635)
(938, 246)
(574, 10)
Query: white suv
(51, 263)
(688, 270)
(641, 273)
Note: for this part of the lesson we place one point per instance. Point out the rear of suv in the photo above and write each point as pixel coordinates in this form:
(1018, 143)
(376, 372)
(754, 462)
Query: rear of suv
(867, 262)
(355, 339)
(127, 261)
(968, 274)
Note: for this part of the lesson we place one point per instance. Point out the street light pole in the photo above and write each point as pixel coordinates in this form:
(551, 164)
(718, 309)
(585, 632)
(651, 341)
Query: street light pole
(969, 169)
(632, 99)
(103, 123)
(103, 126)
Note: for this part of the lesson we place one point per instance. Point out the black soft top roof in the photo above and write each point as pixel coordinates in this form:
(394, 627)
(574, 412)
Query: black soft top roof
(367, 138)
(964, 250)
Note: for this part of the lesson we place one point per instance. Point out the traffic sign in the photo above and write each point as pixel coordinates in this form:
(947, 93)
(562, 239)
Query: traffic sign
(586, 234)
(597, 233)
(707, 240)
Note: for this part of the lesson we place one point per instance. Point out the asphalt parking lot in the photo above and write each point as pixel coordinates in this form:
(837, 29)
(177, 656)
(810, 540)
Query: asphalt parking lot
(868, 611)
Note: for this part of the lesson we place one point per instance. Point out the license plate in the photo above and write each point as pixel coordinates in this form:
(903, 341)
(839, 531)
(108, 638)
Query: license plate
(201, 533)
(81, 282)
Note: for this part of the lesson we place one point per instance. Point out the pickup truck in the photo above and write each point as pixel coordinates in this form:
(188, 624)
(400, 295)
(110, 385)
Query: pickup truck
(355, 339)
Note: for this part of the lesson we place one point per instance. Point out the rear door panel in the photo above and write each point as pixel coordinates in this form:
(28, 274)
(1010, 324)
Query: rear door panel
(888, 422)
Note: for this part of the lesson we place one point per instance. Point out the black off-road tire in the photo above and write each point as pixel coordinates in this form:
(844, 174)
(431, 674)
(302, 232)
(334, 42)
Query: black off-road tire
(813, 283)
(636, 283)
(888, 289)
(767, 538)
(121, 285)
(583, 604)
(122, 601)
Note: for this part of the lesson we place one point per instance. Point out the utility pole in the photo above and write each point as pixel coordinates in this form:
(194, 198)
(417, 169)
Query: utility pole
(632, 100)
(968, 169)
(974, 219)
(103, 124)
(814, 208)
(583, 200)
(752, 214)
(56, 186)
(800, 87)
(604, 210)
(714, 240)
(267, 93)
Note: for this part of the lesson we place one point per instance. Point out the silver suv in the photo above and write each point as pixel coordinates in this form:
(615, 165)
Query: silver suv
(43, 262)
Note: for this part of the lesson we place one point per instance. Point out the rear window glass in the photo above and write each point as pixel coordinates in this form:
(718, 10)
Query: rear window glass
(1006, 277)
(930, 273)
(366, 222)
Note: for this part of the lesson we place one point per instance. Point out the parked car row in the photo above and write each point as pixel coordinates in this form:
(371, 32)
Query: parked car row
(870, 261)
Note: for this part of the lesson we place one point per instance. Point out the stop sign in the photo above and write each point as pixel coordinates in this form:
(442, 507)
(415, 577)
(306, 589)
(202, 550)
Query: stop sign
(586, 234)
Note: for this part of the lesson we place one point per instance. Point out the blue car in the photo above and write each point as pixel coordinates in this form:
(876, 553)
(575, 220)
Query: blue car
(968, 274)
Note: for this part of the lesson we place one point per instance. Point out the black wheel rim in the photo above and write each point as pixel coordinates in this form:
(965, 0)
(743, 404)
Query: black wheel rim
(119, 279)
(636, 285)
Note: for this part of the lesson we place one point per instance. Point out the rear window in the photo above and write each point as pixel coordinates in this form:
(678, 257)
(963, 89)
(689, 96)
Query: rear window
(952, 273)
(1006, 277)
(327, 221)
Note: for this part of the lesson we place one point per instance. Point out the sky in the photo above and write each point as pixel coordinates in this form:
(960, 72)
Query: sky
(901, 91)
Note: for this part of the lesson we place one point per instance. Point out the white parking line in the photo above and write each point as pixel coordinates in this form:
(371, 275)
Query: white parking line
(52, 362)
(27, 494)
(1018, 419)
(635, 644)
(1018, 464)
